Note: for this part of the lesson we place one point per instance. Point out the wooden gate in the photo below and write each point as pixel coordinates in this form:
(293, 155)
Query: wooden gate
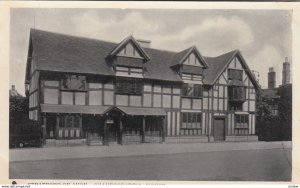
(219, 129)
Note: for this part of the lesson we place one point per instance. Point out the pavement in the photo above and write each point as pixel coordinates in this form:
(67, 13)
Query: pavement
(81, 152)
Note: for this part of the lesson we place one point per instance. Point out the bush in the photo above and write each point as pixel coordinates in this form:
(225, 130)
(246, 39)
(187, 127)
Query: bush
(274, 131)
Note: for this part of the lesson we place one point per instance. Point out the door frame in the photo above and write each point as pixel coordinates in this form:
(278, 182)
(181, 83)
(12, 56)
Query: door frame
(225, 126)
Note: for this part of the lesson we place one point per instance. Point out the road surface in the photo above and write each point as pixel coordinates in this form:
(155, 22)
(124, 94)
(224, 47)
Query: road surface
(251, 165)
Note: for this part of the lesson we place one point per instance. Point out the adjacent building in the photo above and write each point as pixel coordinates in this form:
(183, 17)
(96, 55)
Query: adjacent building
(271, 95)
(88, 91)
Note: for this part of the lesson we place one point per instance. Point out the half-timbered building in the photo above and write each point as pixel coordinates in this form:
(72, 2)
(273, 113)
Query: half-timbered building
(86, 91)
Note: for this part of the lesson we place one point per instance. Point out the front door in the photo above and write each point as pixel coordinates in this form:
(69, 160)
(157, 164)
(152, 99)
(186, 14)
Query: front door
(219, 129)
(112, 132)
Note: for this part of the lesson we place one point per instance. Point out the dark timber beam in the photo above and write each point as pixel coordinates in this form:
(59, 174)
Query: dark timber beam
(44, 129)
(121, 130)
(143, 129)
(164, 124)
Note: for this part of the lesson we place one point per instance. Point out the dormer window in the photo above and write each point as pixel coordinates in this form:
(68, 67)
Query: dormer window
(129, 50)
(192, 60)
(195, 77)
(129, 47)
(129, 71)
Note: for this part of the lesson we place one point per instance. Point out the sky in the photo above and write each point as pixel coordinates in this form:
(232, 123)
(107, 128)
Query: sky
(264, 37)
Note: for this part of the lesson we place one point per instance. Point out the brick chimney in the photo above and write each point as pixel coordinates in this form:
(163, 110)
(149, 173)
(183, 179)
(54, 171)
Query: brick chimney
(271, 78)
(144, 43)
(286, 72)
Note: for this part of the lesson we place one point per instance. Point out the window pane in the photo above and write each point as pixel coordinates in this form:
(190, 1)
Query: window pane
(184, 117)
(230, 92)
(235, 74)
(62, 121)
(129, 86)
(197, 90)
(77, 121)
(190, 90)
(69, 121)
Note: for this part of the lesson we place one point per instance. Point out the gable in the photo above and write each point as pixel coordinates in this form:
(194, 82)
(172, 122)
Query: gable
(193, 59)
(235, 64)
(129, 50)
(238, 63)
(129, 47)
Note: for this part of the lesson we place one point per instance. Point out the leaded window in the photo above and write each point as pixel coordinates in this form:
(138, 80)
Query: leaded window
(237, 93)
(191, 124)
(234, 74)
(241, 126)
(129, 86)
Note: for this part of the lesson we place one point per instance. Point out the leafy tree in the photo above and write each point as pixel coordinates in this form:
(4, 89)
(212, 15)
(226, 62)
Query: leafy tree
(279, 127)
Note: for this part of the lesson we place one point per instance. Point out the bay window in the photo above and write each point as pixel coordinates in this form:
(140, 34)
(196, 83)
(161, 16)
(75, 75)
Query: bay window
(236, 93)
(241, 126)
(191, 124)
(69, 126)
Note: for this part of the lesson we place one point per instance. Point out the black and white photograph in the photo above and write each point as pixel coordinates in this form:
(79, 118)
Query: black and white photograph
(153, 94)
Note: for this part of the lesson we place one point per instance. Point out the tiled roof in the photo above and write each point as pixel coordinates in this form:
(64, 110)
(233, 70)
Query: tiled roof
(58, 52)
(137, 111)
(65, 53)
(94, 109)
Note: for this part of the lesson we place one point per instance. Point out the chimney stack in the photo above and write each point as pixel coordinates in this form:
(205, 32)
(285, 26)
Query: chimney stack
(271, 78)
(144, 43)
(286, 72)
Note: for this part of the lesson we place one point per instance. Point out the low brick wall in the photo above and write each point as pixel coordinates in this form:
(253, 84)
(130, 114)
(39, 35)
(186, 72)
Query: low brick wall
(246, 138)
(71, 142)
(186, 139)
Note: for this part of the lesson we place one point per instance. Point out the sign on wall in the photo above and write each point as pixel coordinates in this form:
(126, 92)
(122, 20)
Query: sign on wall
(74, 82)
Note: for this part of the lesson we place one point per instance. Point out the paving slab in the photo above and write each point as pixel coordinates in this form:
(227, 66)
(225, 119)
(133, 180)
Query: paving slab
(52, 153)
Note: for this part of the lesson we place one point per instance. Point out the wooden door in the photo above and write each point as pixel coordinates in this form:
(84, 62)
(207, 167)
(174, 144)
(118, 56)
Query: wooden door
(112, 132)
(219, 129)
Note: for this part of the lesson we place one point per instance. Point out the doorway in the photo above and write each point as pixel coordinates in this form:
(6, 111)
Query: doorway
(112, 132)
(219, 129)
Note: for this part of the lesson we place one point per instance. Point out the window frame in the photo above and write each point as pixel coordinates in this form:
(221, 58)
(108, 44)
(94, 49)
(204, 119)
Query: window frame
(233, 76)
(191, 122)
(240, 91)
(239, 127)
(132, 86)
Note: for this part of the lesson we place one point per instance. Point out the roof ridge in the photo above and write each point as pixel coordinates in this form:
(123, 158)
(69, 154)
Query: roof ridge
(232, 51)
(93, 39)
(70, 35)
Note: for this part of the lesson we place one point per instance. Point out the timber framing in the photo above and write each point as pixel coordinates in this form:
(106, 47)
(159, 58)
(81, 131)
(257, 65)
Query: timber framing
(154, 109)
